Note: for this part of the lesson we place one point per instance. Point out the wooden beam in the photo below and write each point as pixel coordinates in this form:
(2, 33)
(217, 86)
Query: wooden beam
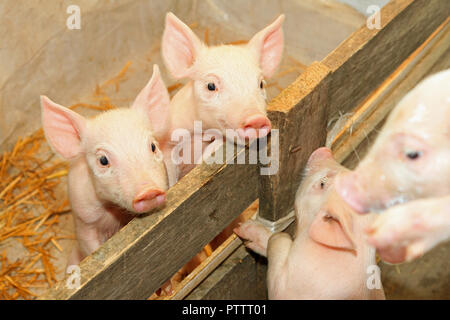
(364, 60)
(377, 106)
(240, 277)
(299, 113)
(138, 259)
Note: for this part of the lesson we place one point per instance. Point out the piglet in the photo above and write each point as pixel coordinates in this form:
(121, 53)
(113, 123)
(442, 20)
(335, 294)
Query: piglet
(406, 231)
(328, 258)
(409, 162)
(116, 168)
(410, 158)
(226, 88)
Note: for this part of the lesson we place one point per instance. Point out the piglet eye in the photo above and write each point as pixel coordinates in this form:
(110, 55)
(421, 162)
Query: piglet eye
(211, 86)
(413, 155)
(153, 147)
(103, 161)
(323, 182)
(261, 85)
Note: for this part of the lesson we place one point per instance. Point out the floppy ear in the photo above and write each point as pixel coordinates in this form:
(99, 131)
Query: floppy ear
(333, 230)
(180, 46)
(268, 45)
(63, 128)
(154, 101)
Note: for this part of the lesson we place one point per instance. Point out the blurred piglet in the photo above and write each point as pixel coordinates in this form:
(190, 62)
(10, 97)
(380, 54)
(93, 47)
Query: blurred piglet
(227, 87)
(116, 169)
(328, 259)
(408, 165)
(410, 158)
(406, 231)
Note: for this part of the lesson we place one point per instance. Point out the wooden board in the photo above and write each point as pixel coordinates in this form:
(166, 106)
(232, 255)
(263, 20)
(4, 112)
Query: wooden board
(378, 105)
(300, 115)
(368, 57)
(239, 277)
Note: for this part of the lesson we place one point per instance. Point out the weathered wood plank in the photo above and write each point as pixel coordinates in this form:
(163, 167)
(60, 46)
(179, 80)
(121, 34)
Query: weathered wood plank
(368, 57)
(377, 106)
(149, 250)
(226, 280)
(299, 113)
(240, 277)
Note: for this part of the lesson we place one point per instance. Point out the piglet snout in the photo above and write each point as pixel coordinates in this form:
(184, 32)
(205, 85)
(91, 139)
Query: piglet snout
(256, 126)
(347, 189)
(148, 200)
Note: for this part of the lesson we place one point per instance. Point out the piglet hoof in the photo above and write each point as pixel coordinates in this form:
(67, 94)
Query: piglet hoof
(255, 236)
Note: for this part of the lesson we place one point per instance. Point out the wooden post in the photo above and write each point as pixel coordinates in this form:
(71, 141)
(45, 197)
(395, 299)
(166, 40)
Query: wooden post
(299, 113)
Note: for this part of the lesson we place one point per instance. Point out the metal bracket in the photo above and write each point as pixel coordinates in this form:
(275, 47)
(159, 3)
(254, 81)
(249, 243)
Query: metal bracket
(279, 225)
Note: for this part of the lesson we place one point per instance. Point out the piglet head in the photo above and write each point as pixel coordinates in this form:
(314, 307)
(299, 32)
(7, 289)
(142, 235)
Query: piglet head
(410, 157)
(119, 146)
(228, 81)
(328, 219)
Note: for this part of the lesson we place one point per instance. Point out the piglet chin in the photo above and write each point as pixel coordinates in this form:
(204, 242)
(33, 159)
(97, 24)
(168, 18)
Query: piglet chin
(148, 201)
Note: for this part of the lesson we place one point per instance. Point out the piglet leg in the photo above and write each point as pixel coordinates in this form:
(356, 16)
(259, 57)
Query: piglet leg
(256, 236)
(407, 231)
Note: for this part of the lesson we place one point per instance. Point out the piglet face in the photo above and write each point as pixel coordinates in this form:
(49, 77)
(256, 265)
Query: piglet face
(228, 80)
(125, 161)
(119, 146)
(326, 218)
(410, 158)
(318, 176)
(229, 89)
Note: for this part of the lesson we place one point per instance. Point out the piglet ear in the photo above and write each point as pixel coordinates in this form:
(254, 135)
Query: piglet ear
(333, 230)
(180, 46)
(63, 128)
(268, 45)
(317, 157)
(154, 101)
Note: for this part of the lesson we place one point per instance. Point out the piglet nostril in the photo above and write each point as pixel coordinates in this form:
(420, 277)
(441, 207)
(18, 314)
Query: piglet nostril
(256, 126)
(148, 200)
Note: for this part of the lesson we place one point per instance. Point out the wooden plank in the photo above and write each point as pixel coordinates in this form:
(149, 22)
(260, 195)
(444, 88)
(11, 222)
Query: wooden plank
(299, 113)
(138, 259)
(362, 139)
(240, 277)
(206, 267)
(368, 57)
(227, 279)
(376, 107)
